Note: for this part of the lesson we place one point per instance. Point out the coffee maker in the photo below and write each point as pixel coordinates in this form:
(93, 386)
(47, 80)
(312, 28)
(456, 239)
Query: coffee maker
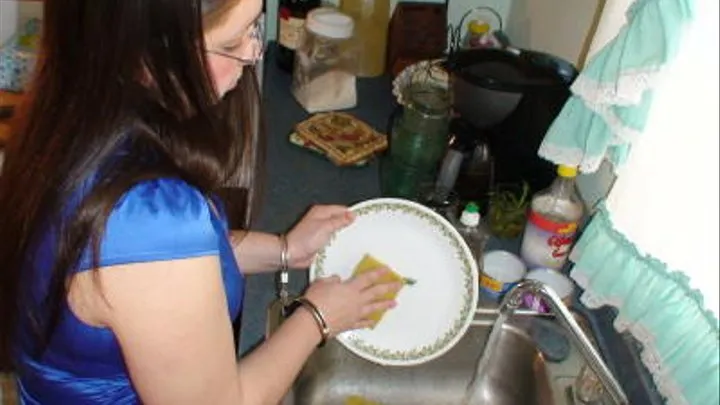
(504, 101)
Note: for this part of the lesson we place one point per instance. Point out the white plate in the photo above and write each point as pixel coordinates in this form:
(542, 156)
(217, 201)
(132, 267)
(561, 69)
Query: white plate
(431, 315)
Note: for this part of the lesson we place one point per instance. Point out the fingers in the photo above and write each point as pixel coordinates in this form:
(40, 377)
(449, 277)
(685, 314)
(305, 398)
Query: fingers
(367, 310)
(379, 290)
(337, 222)
(327, 211)
(365, 280)
(330, 279)
(364, 324)
(377, 306)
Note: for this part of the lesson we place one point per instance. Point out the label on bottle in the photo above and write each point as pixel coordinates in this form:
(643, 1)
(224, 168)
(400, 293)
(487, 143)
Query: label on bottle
(291, 30)
(546, 243)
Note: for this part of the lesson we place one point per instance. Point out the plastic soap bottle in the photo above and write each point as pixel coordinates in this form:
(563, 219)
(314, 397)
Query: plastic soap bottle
(473, 230)
(552, 222)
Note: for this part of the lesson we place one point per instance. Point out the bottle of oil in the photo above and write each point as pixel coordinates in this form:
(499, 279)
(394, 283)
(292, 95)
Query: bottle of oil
(372, 18)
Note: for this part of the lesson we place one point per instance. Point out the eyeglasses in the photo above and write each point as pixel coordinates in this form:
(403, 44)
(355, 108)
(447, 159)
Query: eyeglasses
(256, 35)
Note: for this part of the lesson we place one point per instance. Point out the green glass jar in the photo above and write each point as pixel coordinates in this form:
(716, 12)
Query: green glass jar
(418, 141)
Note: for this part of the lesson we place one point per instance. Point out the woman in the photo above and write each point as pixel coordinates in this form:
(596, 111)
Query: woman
(119, 280)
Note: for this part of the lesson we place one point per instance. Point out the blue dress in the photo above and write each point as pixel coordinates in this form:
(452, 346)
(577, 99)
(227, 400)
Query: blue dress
(163, 219)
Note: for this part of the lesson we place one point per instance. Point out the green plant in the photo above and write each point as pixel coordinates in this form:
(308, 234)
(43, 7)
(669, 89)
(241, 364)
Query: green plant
(508, 209)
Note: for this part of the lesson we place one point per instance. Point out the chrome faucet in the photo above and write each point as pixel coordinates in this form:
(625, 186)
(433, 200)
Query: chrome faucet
(511, 303)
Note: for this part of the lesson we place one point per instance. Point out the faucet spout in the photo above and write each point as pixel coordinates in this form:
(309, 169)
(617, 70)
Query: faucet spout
(512, 302)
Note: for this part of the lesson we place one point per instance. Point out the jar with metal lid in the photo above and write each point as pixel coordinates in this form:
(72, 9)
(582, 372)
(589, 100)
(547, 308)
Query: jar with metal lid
(324, 78)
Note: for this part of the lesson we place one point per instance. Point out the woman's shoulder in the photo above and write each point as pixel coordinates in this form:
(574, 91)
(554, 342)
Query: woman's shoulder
(164, 198)
(159, 219)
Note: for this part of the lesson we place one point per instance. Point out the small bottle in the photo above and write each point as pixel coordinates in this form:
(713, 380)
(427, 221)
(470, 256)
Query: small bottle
(552, 222)
(472, 229)
(291, 29)
(477, 30)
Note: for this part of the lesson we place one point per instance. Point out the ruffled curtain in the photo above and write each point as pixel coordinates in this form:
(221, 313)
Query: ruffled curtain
(647, 102)
(613, 93)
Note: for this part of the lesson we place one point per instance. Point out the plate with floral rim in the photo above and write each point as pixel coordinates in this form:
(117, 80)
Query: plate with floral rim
(434, 312)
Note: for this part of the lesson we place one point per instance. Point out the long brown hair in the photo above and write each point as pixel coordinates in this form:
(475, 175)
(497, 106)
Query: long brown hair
(111, 75)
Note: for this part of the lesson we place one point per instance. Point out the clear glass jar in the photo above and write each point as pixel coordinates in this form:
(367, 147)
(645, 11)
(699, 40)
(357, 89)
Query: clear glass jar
(324, 78)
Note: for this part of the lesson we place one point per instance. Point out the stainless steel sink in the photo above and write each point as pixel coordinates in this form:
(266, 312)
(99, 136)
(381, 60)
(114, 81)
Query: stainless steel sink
(518, 375)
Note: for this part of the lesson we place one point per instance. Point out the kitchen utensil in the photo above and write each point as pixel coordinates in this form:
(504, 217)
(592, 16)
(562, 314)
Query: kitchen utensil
(431, 315)
(488, 84)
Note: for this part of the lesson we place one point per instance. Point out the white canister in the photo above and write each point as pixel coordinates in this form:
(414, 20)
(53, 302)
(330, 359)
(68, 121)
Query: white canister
(558, 282)
(324, 75)
(502, 270)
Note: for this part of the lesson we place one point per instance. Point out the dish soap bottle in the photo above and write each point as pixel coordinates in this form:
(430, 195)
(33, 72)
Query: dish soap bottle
(472, 229)
(552, 222)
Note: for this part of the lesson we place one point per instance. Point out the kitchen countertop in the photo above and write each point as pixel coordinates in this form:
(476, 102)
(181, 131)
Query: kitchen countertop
(297, 179)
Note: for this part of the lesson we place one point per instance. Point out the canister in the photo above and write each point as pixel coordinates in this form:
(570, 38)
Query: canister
(502, 270)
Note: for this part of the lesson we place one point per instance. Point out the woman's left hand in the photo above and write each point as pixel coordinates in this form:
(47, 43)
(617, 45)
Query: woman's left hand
(314, 231)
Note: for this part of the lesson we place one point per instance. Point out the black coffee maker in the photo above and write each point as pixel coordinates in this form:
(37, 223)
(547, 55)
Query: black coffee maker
(504, 101)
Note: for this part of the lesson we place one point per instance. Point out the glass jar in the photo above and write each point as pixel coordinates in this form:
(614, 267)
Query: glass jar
(418, 140)
(324, 79)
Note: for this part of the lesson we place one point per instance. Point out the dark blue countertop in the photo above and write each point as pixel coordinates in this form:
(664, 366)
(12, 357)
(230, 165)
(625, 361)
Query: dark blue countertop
(297, 179)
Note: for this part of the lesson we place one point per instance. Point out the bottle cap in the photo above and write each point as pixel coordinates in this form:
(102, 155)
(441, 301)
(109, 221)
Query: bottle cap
(470, 215)
(567, 171)
(329, 22)
(478, 27)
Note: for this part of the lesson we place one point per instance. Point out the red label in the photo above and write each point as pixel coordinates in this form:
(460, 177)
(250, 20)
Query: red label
(558, 236)
(562, 228)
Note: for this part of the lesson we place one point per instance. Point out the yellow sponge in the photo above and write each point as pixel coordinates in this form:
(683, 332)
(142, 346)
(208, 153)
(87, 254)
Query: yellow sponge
(358, 400)
(369, 263)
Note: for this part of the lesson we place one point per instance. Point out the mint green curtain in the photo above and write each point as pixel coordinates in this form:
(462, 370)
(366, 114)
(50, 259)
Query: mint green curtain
(681, 344)
(604, 119)
(612, 95)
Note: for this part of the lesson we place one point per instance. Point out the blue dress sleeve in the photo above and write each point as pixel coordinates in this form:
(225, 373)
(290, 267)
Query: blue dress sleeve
(163, 219)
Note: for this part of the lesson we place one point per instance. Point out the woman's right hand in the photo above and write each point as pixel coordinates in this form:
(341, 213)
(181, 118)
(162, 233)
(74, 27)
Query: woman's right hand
(347, 304)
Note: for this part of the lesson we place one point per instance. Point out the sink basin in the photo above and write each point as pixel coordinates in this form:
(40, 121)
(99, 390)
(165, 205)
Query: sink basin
(518, 375)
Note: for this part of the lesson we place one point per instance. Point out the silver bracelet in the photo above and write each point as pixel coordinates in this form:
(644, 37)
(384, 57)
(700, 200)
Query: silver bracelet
(284, 254)
(319, 318)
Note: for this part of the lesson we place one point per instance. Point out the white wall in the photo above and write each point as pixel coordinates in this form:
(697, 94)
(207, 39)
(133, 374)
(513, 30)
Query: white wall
(456, 9)
(559, 27)
(13, 13)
